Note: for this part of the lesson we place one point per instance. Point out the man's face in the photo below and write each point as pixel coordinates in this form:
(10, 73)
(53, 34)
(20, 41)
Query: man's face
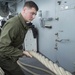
(29, 14)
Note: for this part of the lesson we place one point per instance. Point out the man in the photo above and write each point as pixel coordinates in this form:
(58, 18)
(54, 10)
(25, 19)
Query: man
(11, 38)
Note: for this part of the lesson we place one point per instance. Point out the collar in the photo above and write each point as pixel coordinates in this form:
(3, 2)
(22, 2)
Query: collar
(22, 20)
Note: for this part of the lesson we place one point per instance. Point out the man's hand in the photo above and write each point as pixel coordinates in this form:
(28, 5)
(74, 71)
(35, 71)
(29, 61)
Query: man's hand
(27, 54)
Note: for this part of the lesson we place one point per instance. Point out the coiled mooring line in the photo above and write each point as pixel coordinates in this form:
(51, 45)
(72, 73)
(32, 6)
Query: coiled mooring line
(49, 64)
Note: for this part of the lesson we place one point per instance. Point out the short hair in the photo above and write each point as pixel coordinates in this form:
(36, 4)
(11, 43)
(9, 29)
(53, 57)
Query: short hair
(31, 4)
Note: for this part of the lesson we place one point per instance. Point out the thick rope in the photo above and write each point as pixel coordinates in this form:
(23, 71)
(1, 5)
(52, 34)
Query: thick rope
(49, 64)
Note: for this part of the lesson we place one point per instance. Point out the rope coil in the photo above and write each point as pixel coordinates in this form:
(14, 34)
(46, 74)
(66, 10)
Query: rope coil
(49, 64)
